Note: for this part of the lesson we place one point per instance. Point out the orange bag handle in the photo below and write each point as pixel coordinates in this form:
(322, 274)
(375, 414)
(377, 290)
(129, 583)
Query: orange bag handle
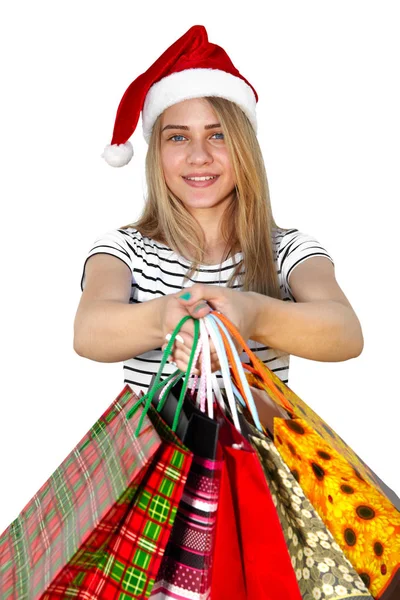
(256, 361)
(236, 376)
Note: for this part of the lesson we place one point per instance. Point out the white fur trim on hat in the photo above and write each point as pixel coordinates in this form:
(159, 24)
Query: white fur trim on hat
(118, 155)
(196, 83)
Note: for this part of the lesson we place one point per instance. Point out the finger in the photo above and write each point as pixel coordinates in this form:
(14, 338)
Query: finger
(187, 344)
(181, 356)
(183, 366)
(200, 310)
(189, 297)
(215, 365)
(179, 344)
(178, 338)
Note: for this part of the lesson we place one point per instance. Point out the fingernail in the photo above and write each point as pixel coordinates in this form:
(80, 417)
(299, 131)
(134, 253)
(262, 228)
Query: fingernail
(178, 337)
(185, 296)
(200, 306)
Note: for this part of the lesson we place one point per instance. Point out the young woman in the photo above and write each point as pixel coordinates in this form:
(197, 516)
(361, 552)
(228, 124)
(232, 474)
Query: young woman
(207, 236)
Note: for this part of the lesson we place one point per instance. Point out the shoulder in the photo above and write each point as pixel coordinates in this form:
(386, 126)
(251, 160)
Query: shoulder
(299, 243)
(293, 248)
(280, 238)
(142, 243)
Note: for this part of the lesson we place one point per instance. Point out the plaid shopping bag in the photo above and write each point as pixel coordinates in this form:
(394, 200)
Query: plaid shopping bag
(81, 503)
(128, 565)
(362, 513)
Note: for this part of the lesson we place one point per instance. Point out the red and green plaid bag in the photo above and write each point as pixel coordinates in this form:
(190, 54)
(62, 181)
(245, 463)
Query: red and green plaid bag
(76, 514)
(127, 566)
(81, 504)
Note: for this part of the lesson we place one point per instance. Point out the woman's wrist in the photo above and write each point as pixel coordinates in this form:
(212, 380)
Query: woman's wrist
(259, 308)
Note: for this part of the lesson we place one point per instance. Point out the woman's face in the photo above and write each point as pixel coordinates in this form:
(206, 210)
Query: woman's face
(192, 144)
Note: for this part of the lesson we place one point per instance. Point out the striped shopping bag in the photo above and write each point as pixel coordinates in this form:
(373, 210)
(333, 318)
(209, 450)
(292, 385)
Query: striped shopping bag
(185, 571)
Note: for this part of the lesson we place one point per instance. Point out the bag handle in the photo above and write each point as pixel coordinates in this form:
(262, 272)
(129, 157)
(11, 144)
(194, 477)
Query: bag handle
(255, 361)
(157, 385)
(205, 390)
(244, 391)
(179, 374)
(214, 334)
(209, 383)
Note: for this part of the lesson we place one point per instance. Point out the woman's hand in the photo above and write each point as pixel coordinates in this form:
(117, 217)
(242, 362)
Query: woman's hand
(197, 301)
(239, 307)
(172, 311)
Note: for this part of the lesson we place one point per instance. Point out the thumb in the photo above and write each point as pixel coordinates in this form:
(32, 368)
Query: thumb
(194, 300)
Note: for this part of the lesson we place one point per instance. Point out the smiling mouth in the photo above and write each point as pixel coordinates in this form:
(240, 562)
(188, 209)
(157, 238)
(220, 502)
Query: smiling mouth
(200, 182)
(201, 178)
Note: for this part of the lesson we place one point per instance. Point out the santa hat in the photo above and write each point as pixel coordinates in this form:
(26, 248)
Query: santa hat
(191, 68)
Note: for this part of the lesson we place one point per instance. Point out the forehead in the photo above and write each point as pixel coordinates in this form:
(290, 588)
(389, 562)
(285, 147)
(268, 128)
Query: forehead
(189, 112)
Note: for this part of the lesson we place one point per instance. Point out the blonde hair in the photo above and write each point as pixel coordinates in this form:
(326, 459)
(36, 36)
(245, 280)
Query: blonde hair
(247, 222)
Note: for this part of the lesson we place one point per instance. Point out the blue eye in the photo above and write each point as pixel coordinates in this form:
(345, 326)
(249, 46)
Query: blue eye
(182, 136)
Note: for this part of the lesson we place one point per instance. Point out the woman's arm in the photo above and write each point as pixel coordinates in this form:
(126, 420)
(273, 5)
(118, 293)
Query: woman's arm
(320, 325)
(109, 329)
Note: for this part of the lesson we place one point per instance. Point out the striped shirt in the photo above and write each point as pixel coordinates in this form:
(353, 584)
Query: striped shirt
(157, 270)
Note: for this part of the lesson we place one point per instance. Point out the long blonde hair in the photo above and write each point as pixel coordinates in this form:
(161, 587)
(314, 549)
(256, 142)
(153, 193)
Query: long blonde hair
(247, 222)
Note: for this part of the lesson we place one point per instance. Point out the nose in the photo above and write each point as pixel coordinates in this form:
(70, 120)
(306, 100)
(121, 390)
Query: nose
(198, 153)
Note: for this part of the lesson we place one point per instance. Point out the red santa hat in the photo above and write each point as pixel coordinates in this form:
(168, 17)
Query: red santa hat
(191, 68)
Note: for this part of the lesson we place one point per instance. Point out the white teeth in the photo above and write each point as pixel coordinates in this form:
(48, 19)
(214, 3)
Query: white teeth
(200, 178)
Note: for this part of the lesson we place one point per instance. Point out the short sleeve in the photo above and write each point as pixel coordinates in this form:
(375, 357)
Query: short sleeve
(296, 247)
(114, 242)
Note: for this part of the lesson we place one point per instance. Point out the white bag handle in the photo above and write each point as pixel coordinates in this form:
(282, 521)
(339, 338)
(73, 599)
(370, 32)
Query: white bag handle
(239, 367)
(214, 334)
(205, 384)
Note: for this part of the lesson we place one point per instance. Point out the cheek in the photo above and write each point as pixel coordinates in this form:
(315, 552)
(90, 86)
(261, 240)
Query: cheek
(224, 158)
(170, 163)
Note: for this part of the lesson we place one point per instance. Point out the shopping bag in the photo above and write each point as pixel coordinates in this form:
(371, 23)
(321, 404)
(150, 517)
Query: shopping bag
(80, 504)
(268, 571)
(79, 508)
(266, 564)
(185, 571)
(128, 566)
(227, 578)
(360, 513)
(321, 568)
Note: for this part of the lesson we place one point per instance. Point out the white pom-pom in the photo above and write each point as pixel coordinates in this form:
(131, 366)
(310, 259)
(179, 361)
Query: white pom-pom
(118, 155)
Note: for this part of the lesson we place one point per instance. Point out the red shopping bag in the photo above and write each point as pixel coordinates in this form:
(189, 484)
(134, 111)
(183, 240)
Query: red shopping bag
(268, 571)
(228, 571)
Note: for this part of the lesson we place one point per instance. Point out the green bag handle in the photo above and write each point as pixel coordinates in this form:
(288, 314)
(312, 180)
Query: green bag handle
(158, 385)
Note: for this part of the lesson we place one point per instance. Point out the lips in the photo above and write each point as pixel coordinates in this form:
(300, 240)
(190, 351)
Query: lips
(201, 184)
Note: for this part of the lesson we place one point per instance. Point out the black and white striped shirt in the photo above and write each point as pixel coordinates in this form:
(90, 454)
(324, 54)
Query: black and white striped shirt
(157, 270)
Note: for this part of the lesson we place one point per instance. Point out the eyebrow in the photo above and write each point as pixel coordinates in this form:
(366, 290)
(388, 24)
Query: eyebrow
(186, 128)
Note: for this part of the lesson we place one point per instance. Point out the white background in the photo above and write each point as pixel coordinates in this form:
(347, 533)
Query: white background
(329, 127)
